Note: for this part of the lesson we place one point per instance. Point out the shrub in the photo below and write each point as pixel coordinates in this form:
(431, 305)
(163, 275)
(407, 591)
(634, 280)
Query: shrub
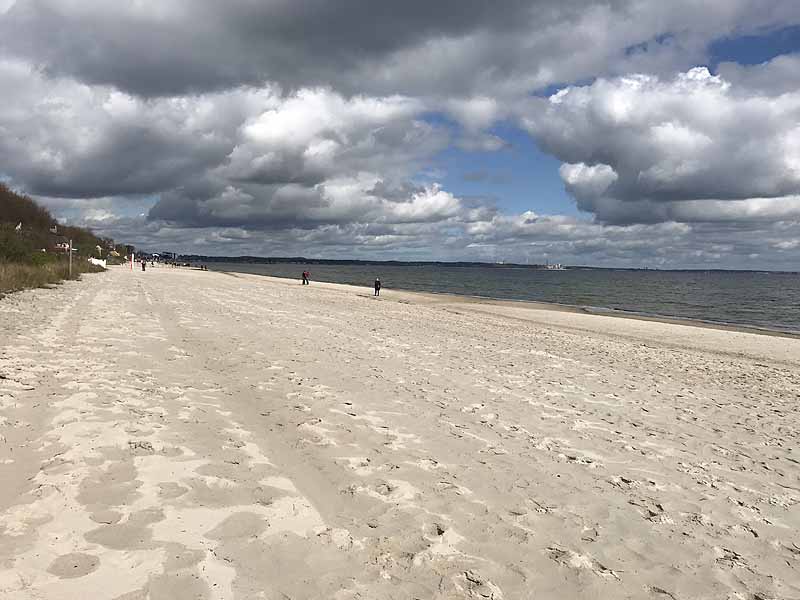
(22, 262)
(42, 258)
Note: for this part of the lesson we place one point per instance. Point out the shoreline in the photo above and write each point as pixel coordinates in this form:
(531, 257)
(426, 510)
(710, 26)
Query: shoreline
(564, 308)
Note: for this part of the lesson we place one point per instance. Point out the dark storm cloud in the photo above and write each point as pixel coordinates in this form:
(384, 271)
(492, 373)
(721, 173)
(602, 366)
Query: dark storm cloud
(174, 47)
(129, 160)
(361, 46)
(270, 207)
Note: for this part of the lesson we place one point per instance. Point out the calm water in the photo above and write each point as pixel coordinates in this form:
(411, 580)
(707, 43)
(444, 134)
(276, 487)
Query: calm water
(768, 300)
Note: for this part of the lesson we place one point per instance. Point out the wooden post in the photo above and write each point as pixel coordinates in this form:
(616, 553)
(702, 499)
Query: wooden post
(70, 259)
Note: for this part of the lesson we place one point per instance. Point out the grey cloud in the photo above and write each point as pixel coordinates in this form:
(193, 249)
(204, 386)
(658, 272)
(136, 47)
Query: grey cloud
(128, 160)
(271, 207)
(445, 48)
(780, 75)
(61, 138)
(176, 46)
(395, 192)
(226, 159)
(354, 200)
(222, 159)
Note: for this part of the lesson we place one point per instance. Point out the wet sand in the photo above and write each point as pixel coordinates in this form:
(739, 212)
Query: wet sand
(186, 434)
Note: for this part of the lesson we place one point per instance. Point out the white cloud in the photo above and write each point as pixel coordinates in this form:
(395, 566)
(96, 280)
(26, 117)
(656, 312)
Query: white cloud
(787, 244)
(316, 134)
(583, 180)
(476, 113)
(650, 143)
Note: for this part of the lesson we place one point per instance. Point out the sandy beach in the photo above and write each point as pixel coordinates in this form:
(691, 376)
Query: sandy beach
(181, 434)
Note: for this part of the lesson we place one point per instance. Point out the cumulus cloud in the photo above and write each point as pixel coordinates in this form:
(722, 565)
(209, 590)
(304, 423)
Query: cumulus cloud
(587, 182)
(639, 147)
(317, 134)
(244, 157)
(64, 138)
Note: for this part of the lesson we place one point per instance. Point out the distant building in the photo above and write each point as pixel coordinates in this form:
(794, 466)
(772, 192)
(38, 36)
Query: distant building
(60, 244)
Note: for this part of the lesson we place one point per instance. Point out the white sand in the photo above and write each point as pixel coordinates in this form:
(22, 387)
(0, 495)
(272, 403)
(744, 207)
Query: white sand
(182, 434)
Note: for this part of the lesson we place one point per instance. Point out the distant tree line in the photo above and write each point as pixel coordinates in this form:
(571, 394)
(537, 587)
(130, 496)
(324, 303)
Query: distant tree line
(328, 261)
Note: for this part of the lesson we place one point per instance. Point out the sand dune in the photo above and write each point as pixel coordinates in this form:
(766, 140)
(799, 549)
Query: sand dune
(182, 434)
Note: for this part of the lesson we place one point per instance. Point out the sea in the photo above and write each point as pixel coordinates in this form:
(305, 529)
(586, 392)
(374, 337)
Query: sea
(764, 300)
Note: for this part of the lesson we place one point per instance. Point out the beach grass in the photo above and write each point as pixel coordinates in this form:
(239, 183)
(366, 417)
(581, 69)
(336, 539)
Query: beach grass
(32, 245)
(19, 276)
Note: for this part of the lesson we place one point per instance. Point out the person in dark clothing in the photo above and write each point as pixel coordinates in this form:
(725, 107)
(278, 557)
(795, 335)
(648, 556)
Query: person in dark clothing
(306, 275)
(144, 264)
(377, 287)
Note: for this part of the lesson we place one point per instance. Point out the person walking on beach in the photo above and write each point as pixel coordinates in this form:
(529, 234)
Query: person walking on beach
(144, 264)
(377, 286)
(306, 275)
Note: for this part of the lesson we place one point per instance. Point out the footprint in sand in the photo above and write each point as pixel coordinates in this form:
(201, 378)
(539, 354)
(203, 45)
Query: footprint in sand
(729, 558)
(427, 464)
(573, 560)
(652, 511)
(361, 465)
(77, 564)
(480, 587)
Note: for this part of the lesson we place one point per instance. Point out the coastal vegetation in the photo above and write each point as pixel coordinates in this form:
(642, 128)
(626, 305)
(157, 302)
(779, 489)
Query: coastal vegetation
(34, 247)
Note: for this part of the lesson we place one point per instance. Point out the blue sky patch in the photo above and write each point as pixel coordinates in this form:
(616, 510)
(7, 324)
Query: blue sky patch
(755, 49)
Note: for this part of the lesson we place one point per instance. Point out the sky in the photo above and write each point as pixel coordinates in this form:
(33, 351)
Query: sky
(622, 133)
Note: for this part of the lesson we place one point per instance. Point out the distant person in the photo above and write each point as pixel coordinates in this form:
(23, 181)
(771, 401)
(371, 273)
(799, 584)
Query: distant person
(306, 276)
(377, 287)
(144, 265)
